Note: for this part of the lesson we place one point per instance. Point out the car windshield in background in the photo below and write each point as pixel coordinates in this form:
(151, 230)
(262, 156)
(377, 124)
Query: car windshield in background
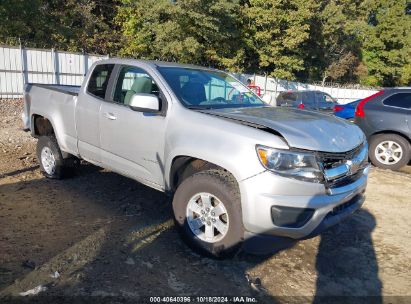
(205, 89)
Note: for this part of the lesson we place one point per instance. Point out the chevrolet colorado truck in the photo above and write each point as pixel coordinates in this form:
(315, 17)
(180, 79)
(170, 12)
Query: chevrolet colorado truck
(238, 169)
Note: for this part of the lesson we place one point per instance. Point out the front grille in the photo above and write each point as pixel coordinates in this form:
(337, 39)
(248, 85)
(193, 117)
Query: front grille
(331, 160)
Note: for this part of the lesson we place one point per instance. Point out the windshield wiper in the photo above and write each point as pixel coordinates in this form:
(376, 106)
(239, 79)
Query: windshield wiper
(199, 107)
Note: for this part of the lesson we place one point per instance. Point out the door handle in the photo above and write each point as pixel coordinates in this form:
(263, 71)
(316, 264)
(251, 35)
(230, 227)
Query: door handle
(110, 116)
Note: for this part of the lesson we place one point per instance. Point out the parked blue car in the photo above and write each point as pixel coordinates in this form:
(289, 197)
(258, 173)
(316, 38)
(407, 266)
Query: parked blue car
(346, 111)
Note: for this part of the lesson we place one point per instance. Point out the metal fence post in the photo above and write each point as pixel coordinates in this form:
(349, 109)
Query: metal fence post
(85, 64)
(24, 76)
(85, 61)
(56, 66)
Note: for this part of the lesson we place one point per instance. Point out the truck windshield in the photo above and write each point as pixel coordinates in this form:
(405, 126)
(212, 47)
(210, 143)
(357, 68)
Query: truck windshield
(205, 89)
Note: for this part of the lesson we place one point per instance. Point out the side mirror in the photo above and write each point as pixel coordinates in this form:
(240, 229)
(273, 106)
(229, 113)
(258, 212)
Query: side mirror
(142, 102)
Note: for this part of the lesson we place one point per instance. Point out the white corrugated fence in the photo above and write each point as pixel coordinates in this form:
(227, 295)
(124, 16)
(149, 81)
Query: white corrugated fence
(26, 65)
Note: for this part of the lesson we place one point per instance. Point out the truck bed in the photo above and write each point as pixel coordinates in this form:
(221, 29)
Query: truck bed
(57, 102)
(67, 89)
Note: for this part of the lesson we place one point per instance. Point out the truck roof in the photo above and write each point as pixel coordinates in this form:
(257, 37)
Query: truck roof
(151, 63)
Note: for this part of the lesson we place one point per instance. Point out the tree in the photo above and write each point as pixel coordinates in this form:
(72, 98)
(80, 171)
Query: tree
(22, 19)
(69, 25)
(334, 46)
(387, 43)
(308, 40)
(189, 31)
(84, 25)
(279, 30)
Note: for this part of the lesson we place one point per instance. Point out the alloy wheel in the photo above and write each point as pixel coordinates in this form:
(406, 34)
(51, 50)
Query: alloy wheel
(388, 152)
(207, 217)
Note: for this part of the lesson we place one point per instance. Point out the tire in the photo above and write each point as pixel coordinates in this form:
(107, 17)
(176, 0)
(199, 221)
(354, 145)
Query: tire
(222, 188)
(397, 145)
(49, 156)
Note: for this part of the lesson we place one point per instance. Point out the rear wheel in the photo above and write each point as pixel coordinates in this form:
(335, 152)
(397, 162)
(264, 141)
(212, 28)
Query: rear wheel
(51, 161)
(207, 211)
(389, 151)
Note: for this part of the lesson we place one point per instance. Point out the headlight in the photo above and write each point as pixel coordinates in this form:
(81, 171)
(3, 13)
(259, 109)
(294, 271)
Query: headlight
(302, 166)
(362, 156)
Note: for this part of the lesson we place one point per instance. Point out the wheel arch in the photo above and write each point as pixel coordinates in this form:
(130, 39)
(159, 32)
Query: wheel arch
(392, 132)
(41, 126)
(183, 166)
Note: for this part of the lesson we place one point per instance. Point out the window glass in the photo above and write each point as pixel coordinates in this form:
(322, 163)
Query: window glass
(324, 101)
(322, 97)
(98, 82)
(287, 98)
(400, 100)
(328, 98)
(132, 80)
(198, 88)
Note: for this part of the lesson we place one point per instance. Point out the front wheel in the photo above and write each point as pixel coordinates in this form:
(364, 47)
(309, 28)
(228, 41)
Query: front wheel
(389, 151)
(207, 211)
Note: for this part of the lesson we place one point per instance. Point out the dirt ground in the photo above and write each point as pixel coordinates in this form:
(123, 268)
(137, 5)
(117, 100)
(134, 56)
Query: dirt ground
(108, 236)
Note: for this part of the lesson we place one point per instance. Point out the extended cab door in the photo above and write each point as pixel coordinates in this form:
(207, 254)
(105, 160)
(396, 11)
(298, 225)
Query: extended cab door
(88, 112)
(132, 142)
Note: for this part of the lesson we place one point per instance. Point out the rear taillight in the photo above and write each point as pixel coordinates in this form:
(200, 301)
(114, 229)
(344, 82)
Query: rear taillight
(301, 106)
(359, 110)
(338, 108)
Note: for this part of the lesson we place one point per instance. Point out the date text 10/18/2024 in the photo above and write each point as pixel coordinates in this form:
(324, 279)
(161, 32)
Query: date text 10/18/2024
(198, 299)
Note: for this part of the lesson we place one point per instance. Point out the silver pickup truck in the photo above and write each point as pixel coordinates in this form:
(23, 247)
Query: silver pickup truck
(240, 171)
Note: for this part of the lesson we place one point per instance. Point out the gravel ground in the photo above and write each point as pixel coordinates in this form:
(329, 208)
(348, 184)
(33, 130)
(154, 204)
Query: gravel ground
(109, 237)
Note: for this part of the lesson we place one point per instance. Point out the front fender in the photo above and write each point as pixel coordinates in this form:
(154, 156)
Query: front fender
(225, 143)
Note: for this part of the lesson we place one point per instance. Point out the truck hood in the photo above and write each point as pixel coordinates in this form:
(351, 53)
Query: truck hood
(300, 128)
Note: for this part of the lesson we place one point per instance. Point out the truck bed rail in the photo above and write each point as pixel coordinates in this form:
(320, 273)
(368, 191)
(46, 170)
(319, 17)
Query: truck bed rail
(67, 89)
